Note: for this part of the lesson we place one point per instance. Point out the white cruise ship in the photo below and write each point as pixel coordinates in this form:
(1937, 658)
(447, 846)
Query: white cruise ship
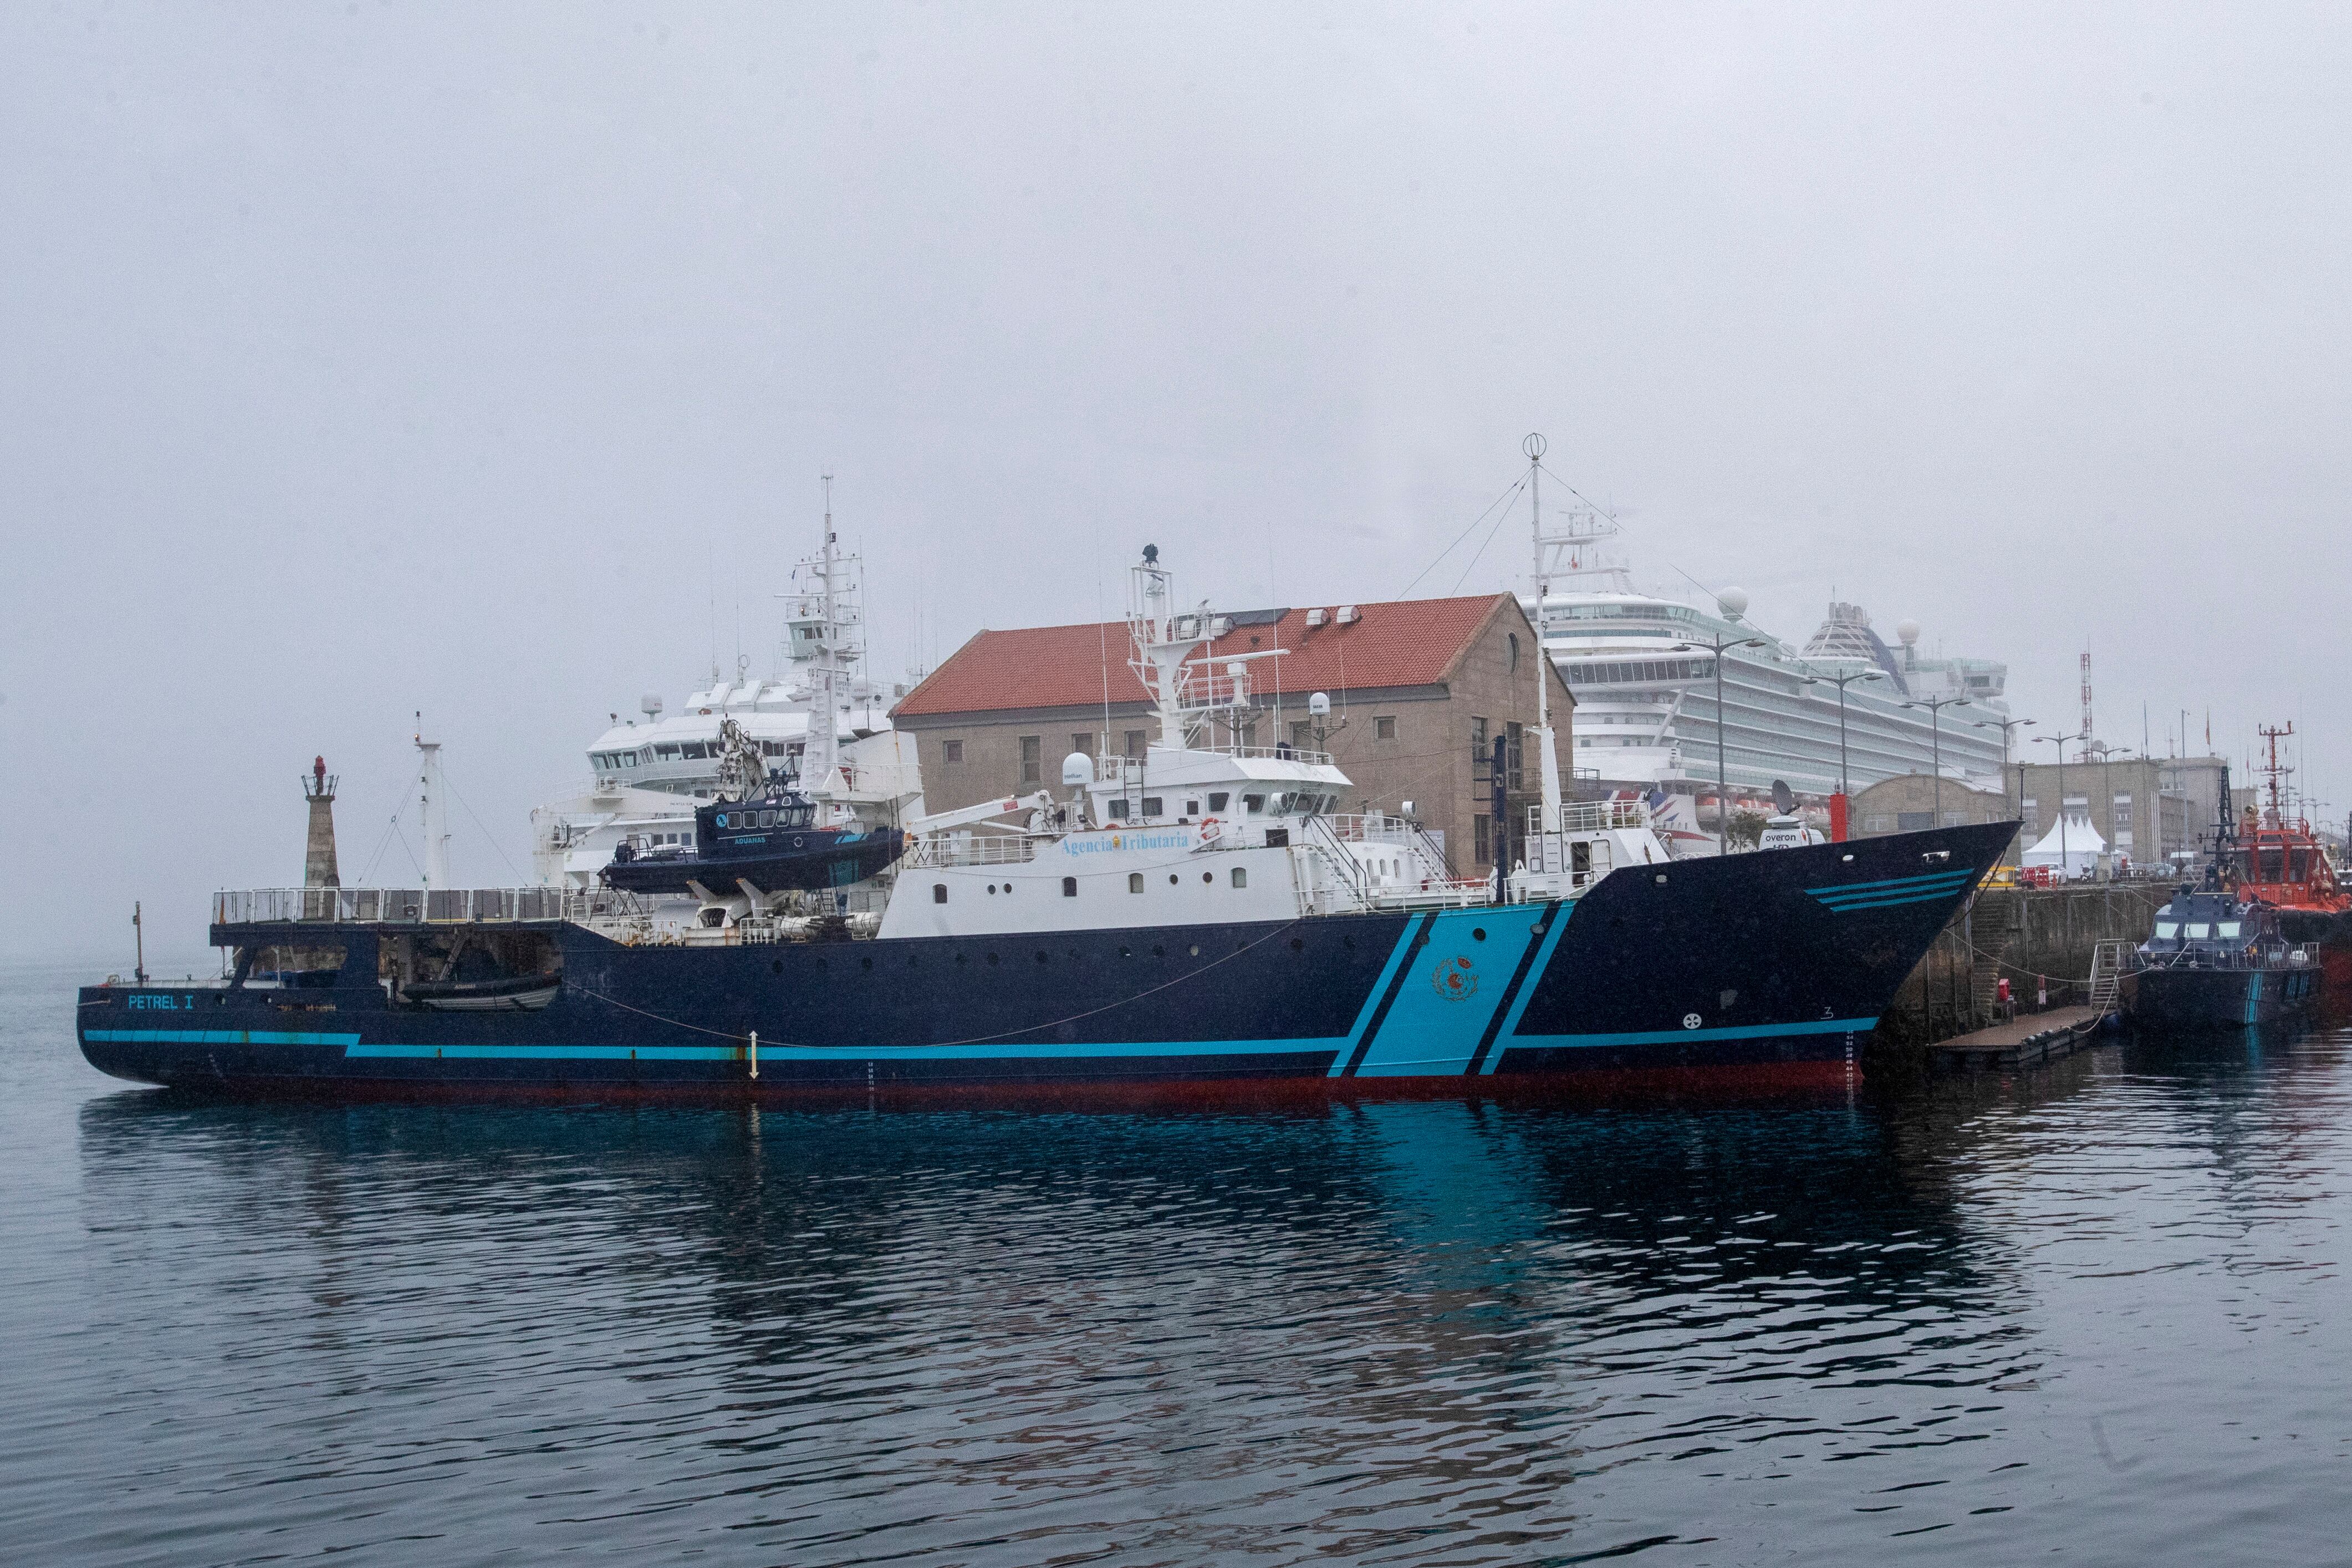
(1642, 669)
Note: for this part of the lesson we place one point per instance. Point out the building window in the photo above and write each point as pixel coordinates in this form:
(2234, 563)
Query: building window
(1135, 881)
(951, 751)
(1033, 760)
(1877, 823)
(1084, 745)
(1384, 728)
(1517, 755)
(2032, 815)
(1956, 819)
(1482, 838)
(1069, 887)
(1135, 742)
(939, 892)
(2123, 812)
(1241, 876)
(1302, 734)
(1482, 757)
(1511, 665)
(1913, 821)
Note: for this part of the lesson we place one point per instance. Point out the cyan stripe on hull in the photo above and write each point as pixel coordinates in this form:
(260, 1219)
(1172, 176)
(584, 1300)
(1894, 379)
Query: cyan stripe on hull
(1921, 880)
(215, 1037)
(1433, 1030)
(1503, 1042)
(1853, 903)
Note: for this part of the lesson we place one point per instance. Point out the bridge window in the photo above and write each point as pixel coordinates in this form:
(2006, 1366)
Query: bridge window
(1254, 804)
(1217, 801)
(1069, 887)
(1151, 806)
(1135, 881)
(697, 750)
(1241, 876)
(939, 892)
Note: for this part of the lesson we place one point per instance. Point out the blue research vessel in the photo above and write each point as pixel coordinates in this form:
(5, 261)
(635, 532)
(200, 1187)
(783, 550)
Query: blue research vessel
(1197, 915)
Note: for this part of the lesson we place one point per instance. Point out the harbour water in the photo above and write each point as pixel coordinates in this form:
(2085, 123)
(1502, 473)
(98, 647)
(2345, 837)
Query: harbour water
(2097, 1314)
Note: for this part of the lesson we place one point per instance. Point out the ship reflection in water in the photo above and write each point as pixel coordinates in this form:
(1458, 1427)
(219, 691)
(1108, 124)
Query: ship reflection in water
(2093, 1312)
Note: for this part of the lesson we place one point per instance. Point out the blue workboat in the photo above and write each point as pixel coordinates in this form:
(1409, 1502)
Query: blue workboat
(2216, 961)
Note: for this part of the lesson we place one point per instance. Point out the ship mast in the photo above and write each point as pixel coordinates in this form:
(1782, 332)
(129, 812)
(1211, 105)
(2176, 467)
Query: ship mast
(1547, 759)
(2274, 771)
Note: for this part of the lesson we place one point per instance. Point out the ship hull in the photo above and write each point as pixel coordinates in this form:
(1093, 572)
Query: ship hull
(1770, 966)
(2187, 999)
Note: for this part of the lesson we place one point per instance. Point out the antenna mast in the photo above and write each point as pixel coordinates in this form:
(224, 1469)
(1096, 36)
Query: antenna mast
(1547, 759)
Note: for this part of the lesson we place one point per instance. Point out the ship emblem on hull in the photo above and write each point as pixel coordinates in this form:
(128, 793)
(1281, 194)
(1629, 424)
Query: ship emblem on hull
(1455, 978)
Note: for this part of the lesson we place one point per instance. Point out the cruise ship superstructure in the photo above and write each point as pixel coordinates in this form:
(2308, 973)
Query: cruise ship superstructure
(1642, 669)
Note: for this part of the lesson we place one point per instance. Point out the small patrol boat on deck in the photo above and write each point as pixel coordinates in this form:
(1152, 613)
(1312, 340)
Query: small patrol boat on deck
(760, 837)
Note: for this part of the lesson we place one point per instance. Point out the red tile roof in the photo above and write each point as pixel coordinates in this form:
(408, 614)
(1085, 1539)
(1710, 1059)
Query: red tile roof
(1408, 643)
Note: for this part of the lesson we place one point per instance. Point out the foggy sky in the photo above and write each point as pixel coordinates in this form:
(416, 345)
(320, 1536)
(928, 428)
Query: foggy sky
(384, 357)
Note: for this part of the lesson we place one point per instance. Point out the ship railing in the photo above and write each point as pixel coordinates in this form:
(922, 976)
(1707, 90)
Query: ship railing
(975, 849)
(1369, 827)
(414, 905)
(1593, 816)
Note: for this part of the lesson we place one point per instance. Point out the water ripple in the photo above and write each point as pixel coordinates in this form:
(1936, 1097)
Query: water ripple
(2093, 1311)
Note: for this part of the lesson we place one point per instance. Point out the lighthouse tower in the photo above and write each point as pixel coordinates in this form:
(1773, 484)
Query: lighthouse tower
(318, 851)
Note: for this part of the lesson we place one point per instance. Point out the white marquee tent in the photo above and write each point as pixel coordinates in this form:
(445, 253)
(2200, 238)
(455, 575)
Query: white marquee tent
(2080, 852)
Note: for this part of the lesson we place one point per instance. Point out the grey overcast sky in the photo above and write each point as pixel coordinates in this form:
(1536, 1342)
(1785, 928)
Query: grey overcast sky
(367, 358)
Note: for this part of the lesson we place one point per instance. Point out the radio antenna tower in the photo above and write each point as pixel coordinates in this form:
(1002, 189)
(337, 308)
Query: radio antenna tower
(2087, 703)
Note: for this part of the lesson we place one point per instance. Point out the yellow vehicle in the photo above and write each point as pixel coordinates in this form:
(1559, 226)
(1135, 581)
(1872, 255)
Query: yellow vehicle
(2001, 876)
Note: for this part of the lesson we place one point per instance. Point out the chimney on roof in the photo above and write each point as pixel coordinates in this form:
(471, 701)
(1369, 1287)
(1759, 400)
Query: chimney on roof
(1349, 615)
(1314, 619)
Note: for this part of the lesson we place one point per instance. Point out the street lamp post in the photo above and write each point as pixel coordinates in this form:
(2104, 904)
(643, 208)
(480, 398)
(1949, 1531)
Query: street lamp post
(2064, 870)
(1840, 683)
(1722, 785)
(1936, 706)
(2005, 726)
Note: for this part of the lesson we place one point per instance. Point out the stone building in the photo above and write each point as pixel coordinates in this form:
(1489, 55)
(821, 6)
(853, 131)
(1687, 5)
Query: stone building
(1419, 689)
(2197, 781)
(1906, 803)
(2125, 798)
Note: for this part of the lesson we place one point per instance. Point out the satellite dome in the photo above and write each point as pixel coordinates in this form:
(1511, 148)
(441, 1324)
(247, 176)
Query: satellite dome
(1077, 768)
(1908, 630)
(1733, 602)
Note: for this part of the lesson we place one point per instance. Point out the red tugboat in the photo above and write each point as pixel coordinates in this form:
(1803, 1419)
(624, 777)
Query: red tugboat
(2277, 859)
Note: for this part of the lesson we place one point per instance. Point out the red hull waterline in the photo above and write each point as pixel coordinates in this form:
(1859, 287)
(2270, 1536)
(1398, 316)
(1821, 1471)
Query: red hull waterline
(1742, 1083)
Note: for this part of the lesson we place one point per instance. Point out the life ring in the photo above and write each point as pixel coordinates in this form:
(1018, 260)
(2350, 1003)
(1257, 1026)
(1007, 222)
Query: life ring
(1210, 830)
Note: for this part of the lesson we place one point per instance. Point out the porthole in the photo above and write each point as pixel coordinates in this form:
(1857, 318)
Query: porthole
(1126, 953)
(1208, 876)
(1347, 942)
(1662, 879)
(1195, 951)
(1041, 956)
(992, 958)
(1477, 934)
(960, 958)
(1157, 951)
(775, 965)
(1171, 879)
(992, 886)
(866, 963)
(1297, 945)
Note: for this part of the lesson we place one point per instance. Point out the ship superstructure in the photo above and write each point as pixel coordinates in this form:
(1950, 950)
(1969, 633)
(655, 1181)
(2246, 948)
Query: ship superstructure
(1643, 668)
